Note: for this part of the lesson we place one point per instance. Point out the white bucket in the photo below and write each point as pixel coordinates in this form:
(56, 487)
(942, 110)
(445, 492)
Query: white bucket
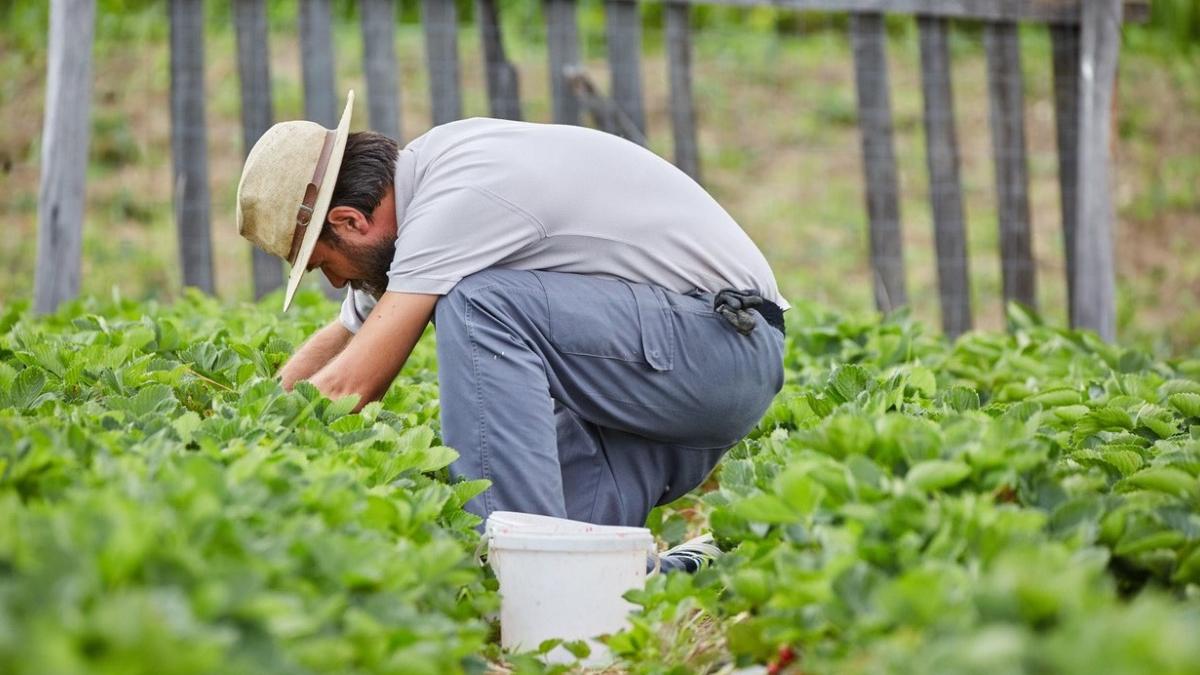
(563, 579)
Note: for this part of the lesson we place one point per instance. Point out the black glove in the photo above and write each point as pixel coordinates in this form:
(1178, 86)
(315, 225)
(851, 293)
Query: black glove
(734, 307)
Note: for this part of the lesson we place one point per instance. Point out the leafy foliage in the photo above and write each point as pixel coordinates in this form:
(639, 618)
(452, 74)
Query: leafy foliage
(1012, 503)
(1022, 503)
(168, 508)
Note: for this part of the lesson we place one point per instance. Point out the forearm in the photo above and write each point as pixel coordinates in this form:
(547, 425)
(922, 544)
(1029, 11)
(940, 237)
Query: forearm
(314, 354)
(368, 365)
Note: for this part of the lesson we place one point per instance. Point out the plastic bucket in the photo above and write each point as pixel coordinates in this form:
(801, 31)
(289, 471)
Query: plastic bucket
(563, 579)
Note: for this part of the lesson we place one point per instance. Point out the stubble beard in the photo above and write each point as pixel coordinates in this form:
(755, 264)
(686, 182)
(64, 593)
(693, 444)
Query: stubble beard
(375, 261)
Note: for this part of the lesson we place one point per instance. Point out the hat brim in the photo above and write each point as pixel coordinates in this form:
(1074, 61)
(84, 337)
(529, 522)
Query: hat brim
(321, 206)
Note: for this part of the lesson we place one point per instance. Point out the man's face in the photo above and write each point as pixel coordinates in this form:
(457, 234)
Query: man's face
(363, 265)
(361, 252)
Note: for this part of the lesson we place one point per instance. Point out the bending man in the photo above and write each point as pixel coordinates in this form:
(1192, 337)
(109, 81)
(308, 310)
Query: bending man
(605, 330)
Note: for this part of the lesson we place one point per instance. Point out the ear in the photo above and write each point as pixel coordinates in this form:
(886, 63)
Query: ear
(347, 220)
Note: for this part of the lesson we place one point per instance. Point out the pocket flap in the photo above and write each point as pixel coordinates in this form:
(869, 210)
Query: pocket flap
(658, 333)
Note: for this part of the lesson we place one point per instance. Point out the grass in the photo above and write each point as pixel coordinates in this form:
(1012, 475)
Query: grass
(779, 144)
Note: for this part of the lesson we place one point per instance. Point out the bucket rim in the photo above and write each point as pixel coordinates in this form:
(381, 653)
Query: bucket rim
(565, 543)
(514, 522)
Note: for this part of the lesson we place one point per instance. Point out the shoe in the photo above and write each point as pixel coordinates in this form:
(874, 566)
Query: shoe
(688, 557)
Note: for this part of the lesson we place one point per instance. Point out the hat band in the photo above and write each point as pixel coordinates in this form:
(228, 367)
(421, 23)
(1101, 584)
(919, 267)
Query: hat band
(305, 214)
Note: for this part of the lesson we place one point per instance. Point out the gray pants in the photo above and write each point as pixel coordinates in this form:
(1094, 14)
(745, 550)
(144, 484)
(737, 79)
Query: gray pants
(590, 398)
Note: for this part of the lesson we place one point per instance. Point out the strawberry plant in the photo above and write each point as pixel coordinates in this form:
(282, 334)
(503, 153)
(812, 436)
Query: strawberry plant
(1011, 503)
(1025, 502)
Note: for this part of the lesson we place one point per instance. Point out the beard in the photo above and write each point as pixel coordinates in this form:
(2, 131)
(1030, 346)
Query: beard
(372, 264)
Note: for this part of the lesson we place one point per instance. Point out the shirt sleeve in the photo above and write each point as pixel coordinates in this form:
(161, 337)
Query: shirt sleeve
(457, 232)
(355, 309)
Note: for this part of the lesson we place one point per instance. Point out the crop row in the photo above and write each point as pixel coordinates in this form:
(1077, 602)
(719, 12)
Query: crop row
(1025, 502)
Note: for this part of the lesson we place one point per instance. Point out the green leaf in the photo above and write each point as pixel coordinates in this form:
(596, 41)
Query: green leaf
(937, 474)
(1054, 398)
(341, 407)
(847, 382)
(466, 490)
(799, 490)
(1071, 413)
(1163, 479)
(1188, 570)
(1101, 419)
(960, 399)
(1125, 461)
(1187, 403)
(26, 389)
(1149, 542)
(765, 508)
(580, 649)
(923, 380)
(436, 457)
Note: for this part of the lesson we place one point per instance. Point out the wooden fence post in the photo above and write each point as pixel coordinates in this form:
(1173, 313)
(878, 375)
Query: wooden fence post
(1094, 275)
(1002, 44)
(562, 39)
(1065, 45)
(189, 151)
(879, 159)
(623, 32)
(316, 63)
(379, 62)
(945, 188)
(683, 115)
(317, 71)
(254, 74)
(66, 128)
(503, 85)
(440, 20)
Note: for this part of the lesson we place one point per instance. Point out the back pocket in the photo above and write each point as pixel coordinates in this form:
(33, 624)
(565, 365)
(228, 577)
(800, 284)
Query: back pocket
(609, 319)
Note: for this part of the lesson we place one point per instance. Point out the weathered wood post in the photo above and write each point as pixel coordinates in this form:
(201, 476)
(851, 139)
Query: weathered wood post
(189, 150)
(1094, 274)
(317, 72)
(868, 41)
(562, 38)
(254, 74)
(316, 63)
(945, 188)
(1065, 45)
(503, 85)
(379, 61)
(683, 115)
(1005, 82)
(440, 19)
(65, 131)
(623, 32)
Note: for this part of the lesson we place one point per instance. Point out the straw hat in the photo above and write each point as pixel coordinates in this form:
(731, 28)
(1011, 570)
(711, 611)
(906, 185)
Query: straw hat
(286, 185)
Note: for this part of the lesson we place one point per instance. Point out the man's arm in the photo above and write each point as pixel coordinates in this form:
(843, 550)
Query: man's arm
(312, 356)
(375, 356)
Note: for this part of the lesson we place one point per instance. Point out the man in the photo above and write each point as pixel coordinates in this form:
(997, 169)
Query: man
(605, 330)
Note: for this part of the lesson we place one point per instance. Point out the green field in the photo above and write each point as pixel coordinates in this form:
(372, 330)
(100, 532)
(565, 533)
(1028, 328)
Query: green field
(1020, 501)
(778, 135)
(1024, 503)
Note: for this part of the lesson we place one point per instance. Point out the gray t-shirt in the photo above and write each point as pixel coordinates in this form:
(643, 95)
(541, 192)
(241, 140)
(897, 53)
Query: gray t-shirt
(481, 193)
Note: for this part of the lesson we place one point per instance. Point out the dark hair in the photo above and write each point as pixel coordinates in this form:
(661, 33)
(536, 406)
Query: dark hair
(368, 170)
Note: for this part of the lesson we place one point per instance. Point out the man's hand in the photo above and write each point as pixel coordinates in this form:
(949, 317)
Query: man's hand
(371, 360)
(315, 353)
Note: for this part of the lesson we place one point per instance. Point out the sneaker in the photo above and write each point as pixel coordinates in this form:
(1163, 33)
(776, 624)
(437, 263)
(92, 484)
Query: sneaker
(688, 557)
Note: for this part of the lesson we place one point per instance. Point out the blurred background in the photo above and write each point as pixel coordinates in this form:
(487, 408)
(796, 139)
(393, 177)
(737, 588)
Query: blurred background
(778, 135)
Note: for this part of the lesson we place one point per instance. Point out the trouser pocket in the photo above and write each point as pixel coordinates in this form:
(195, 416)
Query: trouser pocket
(611, 319)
